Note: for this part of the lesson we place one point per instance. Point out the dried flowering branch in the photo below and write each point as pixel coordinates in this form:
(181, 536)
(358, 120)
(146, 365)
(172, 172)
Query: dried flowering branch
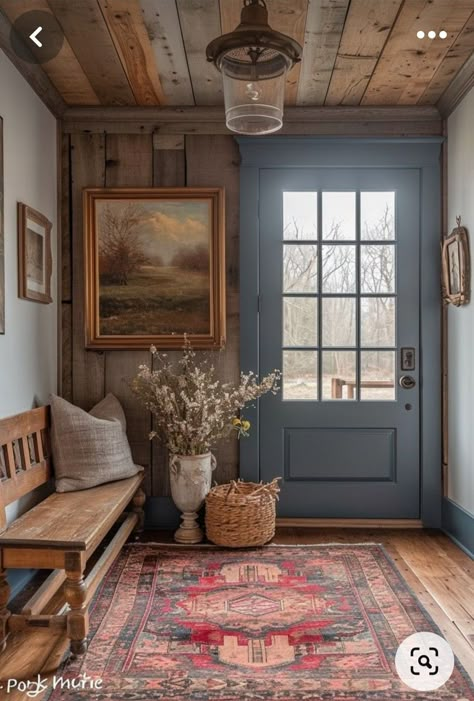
(193, 409)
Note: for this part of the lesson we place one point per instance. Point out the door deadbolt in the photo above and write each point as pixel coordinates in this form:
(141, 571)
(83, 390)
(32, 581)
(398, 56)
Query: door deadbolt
(407, 382)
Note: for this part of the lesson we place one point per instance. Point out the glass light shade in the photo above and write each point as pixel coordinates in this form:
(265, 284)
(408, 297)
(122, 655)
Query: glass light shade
(254, 61)
(253, 107)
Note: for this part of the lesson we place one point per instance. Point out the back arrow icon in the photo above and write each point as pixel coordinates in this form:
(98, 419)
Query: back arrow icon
(34, 36)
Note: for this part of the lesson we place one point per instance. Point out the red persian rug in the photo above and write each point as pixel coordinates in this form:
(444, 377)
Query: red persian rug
(274, 624)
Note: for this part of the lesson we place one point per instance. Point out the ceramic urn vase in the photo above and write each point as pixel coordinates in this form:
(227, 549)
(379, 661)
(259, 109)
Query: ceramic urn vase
(190, 481)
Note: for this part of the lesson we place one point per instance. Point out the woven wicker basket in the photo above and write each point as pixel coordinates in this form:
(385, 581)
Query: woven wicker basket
(241, 514)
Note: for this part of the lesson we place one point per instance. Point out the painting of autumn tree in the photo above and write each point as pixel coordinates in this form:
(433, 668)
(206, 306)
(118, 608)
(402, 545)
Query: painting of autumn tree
(154, 258)
(120, 246)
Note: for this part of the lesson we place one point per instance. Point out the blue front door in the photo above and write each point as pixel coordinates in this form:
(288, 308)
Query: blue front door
(339, 296)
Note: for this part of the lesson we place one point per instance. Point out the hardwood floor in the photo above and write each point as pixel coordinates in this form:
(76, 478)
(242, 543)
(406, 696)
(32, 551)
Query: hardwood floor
(441, 575)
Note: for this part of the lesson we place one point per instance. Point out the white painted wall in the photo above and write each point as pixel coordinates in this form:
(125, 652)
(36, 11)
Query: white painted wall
(28, 350)
(461, 320)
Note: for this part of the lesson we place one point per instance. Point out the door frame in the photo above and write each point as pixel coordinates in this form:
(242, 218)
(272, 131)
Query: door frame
(422, 154)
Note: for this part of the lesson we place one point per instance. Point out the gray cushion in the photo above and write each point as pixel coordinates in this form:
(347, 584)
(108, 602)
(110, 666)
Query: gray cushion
(89, 448)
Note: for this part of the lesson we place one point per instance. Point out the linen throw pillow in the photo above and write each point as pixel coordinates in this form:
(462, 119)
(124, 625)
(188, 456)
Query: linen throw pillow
(89, 448)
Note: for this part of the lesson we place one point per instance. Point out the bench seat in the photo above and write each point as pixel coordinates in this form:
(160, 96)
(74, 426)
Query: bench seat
(61, 533)
(72, 520)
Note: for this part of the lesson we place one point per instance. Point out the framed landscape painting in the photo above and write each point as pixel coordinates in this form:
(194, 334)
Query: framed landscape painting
(155, 267)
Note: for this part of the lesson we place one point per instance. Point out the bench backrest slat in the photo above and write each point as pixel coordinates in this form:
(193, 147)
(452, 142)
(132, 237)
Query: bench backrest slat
(25, 462)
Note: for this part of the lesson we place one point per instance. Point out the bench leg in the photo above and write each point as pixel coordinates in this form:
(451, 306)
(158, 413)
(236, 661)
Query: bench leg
(4, 612)
(138, 504)
(75, 592)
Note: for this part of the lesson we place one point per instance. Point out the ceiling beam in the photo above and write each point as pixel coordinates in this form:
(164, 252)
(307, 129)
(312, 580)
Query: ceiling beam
(457, 89)
(32, 72)
(330, 121)
(89, 38)
(323, 32)
(200, 23)
(124, 19)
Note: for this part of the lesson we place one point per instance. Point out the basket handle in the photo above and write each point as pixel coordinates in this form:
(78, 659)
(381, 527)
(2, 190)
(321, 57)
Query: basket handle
(234, 487)
(269, 488)
(262, 487)
(272, 487)
(231, 488)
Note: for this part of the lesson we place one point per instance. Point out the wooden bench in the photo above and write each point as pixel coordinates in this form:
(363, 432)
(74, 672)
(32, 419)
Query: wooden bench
(60, 533)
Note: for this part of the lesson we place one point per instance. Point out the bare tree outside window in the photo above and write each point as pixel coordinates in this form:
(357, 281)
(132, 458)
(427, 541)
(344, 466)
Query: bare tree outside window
(338, 277)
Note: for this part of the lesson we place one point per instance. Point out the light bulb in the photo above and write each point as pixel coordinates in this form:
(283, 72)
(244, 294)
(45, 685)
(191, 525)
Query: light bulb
(420, 34)
(252, 92)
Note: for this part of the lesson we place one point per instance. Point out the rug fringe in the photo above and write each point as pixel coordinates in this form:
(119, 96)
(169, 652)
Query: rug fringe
(256, 547)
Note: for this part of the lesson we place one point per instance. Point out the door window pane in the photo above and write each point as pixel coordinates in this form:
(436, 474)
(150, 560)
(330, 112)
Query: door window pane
(377, 372)
(377, 213)
(377, 269)
(377, 321)
(339, 375)
(300, 268)
(339, 216)
(300, 215)
(300, 375)
(339, 269)
(339, 321)
(300, 321)
(352, 287)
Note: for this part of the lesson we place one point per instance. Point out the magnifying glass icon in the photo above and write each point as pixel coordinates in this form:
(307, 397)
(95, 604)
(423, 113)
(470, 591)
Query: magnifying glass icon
(424, 661)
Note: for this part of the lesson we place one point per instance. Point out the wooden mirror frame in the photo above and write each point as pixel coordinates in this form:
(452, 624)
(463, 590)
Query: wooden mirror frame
(26, 213)
(459, 295)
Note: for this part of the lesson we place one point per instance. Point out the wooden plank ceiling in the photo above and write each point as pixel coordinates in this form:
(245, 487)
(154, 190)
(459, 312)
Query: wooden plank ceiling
(356, 52)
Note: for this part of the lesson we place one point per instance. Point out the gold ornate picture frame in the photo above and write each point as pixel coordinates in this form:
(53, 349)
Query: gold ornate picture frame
(155, 268)
(456, 267)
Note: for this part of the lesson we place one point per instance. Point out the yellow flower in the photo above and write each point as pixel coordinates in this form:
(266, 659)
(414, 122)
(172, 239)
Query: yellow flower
(236, 422)
(245, 425)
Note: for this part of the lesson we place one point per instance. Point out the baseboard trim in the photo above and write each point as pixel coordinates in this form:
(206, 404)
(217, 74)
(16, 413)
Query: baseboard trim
(161, 513)
(18, 580)
(349, 523)
(458, 524)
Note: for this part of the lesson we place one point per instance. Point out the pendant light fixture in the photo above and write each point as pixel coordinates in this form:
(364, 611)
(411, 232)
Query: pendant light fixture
(254, 61)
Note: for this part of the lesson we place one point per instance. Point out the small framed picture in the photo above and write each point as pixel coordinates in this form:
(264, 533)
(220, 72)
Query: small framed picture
(34, 255)
(2, 239)
(456, 267)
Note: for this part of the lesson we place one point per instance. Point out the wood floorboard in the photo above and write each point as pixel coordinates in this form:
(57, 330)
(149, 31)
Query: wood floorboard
(440, 574)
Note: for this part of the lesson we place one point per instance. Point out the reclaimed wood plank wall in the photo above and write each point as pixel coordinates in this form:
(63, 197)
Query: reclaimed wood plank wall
(141, 160)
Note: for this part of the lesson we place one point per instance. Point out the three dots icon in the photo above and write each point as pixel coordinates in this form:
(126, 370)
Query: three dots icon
(432, 34)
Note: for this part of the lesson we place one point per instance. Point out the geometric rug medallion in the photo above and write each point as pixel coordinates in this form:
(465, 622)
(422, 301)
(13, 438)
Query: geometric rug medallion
(274, 624)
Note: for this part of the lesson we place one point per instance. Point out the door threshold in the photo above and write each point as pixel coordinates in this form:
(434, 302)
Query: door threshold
(349, 523)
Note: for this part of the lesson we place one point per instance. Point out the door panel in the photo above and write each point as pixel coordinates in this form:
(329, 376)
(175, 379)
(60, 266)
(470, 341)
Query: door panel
(333, 454)
(339, 299)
